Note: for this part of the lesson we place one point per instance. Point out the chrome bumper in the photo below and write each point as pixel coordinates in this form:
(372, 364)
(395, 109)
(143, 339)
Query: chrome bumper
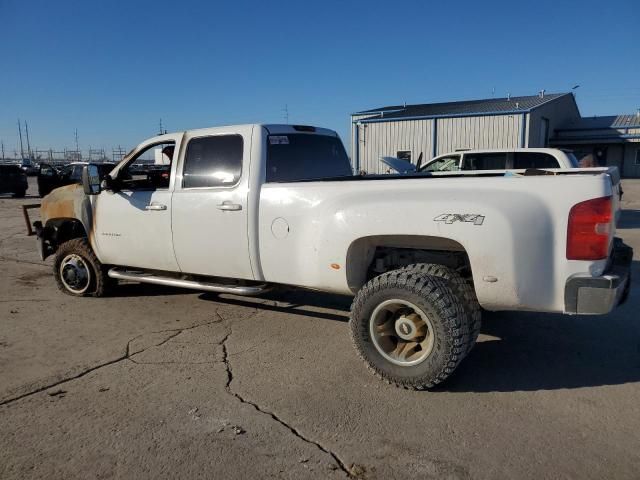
(587, 295)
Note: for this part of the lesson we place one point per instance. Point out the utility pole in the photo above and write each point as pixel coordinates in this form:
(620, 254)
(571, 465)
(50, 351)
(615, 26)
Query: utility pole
(77, 148)
(162, 131)
(26, 129)
(285, 111)
(20, 134)
(2, 144)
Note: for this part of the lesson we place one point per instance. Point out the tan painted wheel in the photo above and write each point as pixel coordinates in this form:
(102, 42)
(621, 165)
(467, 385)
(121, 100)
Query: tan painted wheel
(401, 332)
(410, 328)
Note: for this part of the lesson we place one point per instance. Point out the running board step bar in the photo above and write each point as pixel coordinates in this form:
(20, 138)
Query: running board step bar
(145, 277)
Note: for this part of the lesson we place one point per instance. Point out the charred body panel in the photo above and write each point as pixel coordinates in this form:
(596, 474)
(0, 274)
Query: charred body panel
(66, 213)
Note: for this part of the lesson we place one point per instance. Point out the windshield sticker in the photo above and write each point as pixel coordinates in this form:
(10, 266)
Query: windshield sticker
(279, 140)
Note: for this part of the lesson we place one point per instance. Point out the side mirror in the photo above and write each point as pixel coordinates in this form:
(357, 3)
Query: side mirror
(91, 179)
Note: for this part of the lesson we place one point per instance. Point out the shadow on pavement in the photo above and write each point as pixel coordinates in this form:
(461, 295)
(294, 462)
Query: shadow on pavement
(629, 219)
(300, 302)
(532, 351)
(519, 351)
(146, 290)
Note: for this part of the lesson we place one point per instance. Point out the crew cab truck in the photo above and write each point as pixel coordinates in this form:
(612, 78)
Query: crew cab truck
(247, 207)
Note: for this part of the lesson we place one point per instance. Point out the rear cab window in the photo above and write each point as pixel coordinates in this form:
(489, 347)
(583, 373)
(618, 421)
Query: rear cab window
(302, 156)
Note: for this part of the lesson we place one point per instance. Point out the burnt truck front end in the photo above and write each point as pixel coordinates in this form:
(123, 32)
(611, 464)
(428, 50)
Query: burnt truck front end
(65, 213)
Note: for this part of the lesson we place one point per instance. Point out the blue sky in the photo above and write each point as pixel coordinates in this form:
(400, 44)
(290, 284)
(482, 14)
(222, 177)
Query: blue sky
(111, 69)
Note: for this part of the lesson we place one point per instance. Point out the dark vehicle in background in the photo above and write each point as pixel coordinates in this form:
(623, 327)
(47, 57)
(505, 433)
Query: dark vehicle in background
(29, 167)
(51, 177)
(13, 180)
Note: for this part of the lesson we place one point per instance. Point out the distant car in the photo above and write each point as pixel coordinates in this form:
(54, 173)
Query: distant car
(28, 166)
(50, 177)
(487, 160)
(13, 180)
(503, 159)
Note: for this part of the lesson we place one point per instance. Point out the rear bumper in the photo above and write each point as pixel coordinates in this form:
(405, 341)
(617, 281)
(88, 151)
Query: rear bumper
(587, 295)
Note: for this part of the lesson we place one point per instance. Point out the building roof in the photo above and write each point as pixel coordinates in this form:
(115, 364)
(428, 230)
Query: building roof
(604, 122)
(466, 107)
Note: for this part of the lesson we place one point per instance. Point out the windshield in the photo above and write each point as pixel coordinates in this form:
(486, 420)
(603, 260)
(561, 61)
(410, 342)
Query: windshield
(449, 163)
(301, 156)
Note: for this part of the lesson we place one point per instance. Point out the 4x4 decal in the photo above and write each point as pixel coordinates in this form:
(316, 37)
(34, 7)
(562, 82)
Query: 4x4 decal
(450, 218)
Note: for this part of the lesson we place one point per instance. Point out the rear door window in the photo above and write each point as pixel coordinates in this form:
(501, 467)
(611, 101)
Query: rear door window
(300, 156)
(214, 161)
(485, 161)
(534, 160)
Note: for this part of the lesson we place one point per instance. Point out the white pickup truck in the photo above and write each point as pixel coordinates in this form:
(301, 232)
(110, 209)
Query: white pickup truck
(494, 160)
(246, 207)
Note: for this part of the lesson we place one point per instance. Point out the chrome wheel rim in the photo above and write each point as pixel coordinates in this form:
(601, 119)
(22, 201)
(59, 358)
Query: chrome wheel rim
(401, 332)
(75, 273)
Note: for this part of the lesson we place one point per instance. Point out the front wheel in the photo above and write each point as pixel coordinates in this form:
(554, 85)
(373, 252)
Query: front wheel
(78, 272)
(410, 328)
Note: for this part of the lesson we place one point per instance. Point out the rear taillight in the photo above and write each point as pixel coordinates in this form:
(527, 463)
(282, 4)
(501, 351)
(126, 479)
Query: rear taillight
(589, 229)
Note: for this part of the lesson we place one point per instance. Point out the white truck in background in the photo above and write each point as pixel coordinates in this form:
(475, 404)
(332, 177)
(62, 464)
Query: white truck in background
(250, 206)
(518, 159)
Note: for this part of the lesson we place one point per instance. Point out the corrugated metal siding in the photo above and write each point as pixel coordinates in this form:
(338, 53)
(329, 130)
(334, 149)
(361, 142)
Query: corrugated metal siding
(355, 118)
(562, 111)
(500, 131)
(386, 139)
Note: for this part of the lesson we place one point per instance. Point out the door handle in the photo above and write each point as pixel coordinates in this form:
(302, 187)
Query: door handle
(233, 207)
(155, 206)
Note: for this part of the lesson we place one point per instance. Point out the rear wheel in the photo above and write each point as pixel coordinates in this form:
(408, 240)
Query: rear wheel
(462, 288)
(78, 272)
(410, 328)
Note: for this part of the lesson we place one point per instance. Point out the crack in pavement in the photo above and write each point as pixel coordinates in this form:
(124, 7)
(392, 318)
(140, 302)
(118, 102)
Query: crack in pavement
(65, 380)
(225, 358)
(15, 260)
(26, 300)
(126, 356)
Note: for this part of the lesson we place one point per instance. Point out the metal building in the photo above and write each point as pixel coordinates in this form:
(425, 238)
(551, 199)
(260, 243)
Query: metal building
(610, 140)
(429, 130)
